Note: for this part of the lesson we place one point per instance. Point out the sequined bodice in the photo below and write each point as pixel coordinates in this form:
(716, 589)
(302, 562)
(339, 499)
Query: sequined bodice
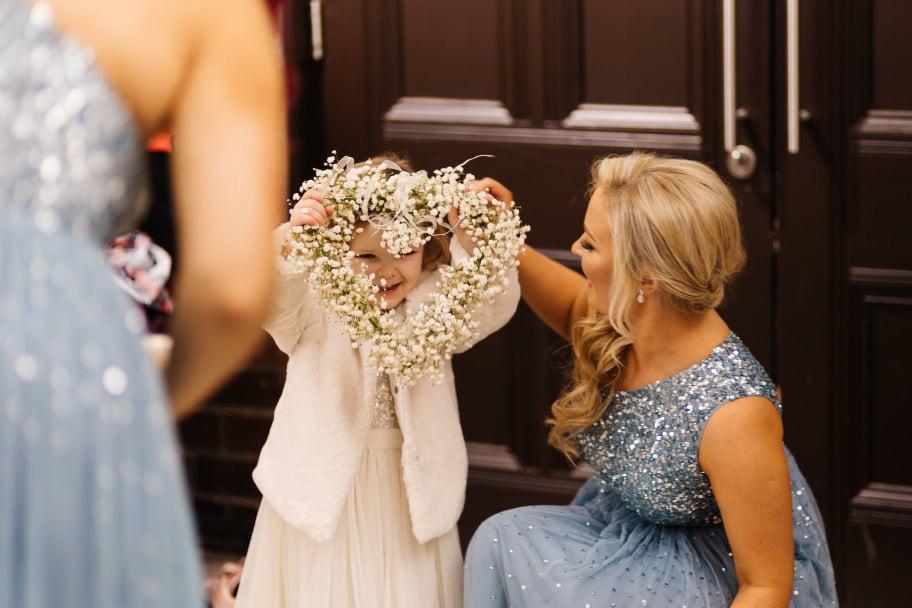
(645, 447)
(384, 413)
(71, 156)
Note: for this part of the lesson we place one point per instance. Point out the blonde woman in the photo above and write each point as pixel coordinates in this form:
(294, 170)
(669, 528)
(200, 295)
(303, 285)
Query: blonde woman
(695, 501)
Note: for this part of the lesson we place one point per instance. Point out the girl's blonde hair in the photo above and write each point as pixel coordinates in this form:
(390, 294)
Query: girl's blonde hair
(437, 249)
(671, 221)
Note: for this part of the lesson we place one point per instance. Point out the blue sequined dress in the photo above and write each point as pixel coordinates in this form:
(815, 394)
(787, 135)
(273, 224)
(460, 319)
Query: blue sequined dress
(646, 529)
(93, 508)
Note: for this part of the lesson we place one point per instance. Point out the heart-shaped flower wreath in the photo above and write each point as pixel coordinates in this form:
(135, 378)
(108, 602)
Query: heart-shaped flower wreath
(409, 209)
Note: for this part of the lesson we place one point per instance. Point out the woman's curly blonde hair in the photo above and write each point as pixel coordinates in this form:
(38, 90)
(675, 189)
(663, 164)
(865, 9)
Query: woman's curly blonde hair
(672, 221)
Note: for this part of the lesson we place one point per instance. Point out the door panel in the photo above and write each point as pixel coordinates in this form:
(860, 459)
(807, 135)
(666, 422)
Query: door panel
(476, 72)
(845, 286)
(620, 48)
(877, 268)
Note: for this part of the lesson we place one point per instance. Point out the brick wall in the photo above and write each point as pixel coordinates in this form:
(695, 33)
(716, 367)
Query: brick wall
(221, 444)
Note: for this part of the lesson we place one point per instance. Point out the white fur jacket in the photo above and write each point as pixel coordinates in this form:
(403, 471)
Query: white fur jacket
(310, 459)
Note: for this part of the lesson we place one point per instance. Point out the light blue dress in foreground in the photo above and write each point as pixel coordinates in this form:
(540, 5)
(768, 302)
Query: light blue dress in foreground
(93, 508)
(646, 530)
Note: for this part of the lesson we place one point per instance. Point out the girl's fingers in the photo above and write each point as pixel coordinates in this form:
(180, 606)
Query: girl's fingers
(309, 203)
(315, 203)
(310, 212)
(313, 219)
(313, 195)
(305, 217)
(317, 211)
(298, 216)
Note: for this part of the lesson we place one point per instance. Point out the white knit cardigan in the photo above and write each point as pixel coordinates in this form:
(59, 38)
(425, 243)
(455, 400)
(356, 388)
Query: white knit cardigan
(308, 464)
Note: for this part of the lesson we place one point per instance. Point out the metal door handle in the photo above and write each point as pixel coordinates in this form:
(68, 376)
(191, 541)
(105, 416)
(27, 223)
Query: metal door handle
(740, 159)
(316, 29)
(793, 107)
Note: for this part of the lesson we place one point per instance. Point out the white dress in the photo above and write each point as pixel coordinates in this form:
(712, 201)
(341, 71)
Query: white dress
(373, 560)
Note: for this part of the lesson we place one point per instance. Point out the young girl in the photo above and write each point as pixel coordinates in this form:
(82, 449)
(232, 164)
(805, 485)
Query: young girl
(363, 480)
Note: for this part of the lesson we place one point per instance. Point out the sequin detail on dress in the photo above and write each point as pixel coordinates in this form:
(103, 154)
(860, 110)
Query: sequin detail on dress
(71, 157)
(644, 447)
(384, 414)
(93, 508)
(645, 530)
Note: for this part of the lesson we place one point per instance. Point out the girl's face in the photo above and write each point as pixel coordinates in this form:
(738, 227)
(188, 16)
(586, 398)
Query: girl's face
(593, 248)
(396, 277)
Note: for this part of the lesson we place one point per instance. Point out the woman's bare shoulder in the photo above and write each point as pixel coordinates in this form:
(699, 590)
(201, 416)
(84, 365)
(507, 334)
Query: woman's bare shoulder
(148, 50)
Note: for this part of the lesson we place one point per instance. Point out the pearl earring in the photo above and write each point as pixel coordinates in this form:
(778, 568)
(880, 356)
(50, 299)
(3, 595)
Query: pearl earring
(641, 297)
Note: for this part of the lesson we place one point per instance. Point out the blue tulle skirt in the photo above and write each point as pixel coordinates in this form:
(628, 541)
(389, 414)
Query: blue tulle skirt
(94, 511)
(598, 553)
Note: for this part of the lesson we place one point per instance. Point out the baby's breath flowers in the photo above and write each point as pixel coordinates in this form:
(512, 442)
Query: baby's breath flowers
(408, 209)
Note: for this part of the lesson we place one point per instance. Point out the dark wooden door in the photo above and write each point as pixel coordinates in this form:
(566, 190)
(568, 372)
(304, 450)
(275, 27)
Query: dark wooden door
(844, 281)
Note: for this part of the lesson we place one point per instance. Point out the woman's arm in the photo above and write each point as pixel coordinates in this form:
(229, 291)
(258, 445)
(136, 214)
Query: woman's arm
(742, 453)
(555, 293)
(229, 167)
(558, 295)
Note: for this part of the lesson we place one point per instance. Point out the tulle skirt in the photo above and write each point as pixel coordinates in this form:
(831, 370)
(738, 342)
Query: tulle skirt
(373, 559)
(597, 552)
(94, 510)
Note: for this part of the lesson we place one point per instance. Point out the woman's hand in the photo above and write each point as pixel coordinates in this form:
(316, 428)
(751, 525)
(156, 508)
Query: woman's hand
(495, 189)
(311, 210)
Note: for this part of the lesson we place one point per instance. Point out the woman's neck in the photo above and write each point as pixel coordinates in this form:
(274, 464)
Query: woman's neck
(666, 342)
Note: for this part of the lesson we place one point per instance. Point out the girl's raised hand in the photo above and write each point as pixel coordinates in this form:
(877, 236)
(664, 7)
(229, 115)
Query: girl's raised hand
(310, 211)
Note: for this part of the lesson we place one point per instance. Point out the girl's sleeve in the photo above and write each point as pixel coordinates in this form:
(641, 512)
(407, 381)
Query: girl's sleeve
(497, 313)
(294, 308)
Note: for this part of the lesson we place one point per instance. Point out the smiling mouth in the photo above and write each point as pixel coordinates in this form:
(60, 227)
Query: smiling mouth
(389, 288)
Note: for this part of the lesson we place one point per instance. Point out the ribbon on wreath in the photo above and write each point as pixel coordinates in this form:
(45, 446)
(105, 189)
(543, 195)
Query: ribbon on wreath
(405, 183)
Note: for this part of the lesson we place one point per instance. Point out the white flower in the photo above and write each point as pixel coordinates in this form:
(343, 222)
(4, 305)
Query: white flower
(407, 216)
